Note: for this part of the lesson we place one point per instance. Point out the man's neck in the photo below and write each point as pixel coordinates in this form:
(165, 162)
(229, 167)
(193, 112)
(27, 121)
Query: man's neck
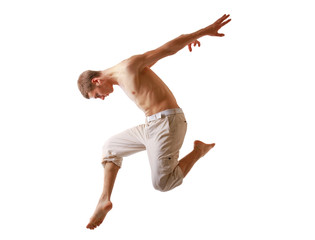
(109, 76)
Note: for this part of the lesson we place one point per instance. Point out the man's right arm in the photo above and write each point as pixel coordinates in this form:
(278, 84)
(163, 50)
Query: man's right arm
(151, 57)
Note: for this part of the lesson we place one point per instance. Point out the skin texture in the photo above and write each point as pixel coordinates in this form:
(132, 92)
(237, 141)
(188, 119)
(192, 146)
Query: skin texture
(151, 95)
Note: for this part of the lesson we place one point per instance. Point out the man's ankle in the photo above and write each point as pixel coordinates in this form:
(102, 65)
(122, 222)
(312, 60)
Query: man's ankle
(198, 152)
(104, 197)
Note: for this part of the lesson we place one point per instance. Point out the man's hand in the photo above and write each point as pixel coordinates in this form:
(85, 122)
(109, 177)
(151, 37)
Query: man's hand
(212, 30)
(196, 42)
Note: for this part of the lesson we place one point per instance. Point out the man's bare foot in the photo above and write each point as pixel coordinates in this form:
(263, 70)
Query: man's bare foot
(203, 148)
(102, 208)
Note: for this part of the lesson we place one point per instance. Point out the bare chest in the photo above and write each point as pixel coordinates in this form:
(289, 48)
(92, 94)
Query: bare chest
(145, 89)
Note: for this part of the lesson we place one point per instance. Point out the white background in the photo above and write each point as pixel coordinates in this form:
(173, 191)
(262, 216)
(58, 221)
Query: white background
(250, 92)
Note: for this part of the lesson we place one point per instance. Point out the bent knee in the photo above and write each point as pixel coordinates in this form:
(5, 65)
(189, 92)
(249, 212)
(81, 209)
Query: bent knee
(161, 187)
(167, 183)
(107, 146)
(109, 149)
(110, 155)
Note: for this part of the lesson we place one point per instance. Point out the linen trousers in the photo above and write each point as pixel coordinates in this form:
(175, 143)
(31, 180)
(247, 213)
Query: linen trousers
(162, 136)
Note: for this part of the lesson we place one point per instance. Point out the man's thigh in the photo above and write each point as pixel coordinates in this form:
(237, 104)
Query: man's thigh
(124, 144)
(165, 138)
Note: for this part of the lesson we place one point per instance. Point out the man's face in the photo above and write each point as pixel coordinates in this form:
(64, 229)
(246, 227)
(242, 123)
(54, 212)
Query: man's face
(101, 91)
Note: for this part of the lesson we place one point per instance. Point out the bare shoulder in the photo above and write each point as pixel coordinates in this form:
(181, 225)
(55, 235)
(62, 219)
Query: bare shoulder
(134, 62)
(126, 72)
(141, 61)
(127, 65)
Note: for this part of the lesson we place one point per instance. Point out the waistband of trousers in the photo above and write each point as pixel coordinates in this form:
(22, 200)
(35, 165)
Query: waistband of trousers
(164, 114)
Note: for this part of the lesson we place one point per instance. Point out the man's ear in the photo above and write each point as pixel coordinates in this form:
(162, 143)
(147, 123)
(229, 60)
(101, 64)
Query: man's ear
(96, 81)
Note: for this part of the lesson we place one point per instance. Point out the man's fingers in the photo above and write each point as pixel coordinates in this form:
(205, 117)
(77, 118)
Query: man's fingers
(189, 47)
(196, 42)
(221, 19)
(223, 23)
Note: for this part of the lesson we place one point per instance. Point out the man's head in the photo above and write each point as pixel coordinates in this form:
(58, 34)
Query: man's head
(92, 84)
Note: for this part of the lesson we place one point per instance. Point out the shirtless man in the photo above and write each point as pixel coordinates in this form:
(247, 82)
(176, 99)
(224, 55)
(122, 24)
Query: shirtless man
(163, 133)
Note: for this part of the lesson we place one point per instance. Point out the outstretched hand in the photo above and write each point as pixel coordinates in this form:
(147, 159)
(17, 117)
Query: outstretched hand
(196, 42)
(212, 30)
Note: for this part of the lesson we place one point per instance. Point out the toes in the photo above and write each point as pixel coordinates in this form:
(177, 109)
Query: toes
(90, 226)
(94, 225)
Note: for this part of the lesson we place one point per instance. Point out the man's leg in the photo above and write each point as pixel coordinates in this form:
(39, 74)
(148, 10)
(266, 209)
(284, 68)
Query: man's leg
(114, 150)
(200, 149)
(104, 205)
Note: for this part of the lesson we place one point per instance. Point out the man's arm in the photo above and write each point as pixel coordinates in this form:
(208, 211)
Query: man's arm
(196, 42)
(151, 57)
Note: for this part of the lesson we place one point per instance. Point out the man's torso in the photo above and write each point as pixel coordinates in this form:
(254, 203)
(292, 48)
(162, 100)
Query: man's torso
(144, 87)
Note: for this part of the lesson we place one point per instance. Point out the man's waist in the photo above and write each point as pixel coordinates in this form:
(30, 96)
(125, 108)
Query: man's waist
(163, 114)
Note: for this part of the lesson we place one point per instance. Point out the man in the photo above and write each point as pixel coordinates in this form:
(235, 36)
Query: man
(163, 133)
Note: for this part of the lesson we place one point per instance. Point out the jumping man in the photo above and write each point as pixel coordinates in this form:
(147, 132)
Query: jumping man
(164, 130)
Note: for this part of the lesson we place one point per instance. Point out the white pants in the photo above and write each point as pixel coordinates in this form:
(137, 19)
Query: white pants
(162, 136)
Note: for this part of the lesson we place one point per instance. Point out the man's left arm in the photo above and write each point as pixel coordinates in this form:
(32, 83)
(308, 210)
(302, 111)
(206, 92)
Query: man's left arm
(151, 57)
(194, 43)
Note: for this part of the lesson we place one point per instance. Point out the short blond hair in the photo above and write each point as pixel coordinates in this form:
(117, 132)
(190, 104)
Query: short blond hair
(85, 84)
